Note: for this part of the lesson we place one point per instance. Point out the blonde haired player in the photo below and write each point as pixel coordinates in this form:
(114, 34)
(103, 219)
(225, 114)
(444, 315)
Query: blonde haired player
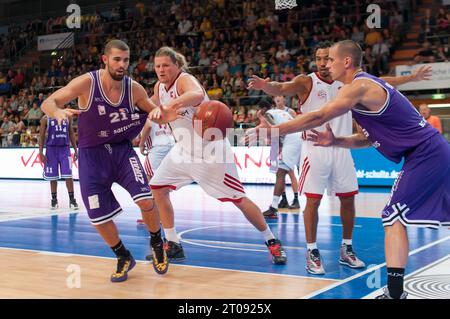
(178, 93)
(331, 168)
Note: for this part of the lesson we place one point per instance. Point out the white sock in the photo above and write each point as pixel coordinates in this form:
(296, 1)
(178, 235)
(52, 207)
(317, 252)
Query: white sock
(311, 246)
(346, 242)
(275, 201)
(267, 234)
(171, 235)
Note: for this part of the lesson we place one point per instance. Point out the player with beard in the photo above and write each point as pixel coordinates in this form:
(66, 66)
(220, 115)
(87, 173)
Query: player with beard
(112, 111)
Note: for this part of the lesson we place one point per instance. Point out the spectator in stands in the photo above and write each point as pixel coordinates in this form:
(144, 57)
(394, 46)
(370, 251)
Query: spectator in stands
(433, 120)
(426, 54)
(34, 115)
(442, 26)
(5, 129)
(427, 25)
(372, 37)
(357, 35)
(442, 54)
(380, 52)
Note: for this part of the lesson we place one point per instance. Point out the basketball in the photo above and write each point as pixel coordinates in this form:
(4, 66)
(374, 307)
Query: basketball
(212, 114)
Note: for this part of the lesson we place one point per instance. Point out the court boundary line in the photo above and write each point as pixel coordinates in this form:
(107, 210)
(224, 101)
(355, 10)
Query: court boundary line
(351, 278)
(415, 272)
(60, 254)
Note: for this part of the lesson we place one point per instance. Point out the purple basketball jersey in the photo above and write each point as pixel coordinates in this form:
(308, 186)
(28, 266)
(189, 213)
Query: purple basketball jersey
(104, 122)
(57, 135)
(397, 128)
(421, 193)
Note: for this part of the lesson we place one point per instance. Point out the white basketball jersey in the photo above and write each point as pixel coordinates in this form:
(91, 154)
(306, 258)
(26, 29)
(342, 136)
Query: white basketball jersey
(321, 93)
(182, 128)
(160, 135)
(279, 116)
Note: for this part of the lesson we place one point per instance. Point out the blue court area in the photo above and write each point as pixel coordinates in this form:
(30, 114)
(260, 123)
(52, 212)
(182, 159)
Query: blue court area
(220, 237)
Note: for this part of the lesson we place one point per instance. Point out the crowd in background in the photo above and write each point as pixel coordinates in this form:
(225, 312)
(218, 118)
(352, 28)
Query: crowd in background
(225, 43)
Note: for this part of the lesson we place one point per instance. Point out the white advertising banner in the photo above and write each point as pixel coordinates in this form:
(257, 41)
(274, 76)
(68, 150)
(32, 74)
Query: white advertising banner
(53, 41)
(440, 78)
(253, 164)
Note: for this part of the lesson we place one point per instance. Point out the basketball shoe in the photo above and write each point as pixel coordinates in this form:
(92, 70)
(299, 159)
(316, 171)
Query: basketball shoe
(295, 204)
(283, 203)
(386, 295)
(349, 258)
(313, 262)
(160, 261)
(74, 204)
(175, 252)
(271, 213)
(276, 250)
(124, 265)
(54, 204)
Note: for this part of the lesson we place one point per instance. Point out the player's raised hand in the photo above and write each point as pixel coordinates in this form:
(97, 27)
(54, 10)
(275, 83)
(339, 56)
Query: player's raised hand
(257, 83)
(64, 114)
(142, 148)
(263, 130)
(325, 138)
(422, 73)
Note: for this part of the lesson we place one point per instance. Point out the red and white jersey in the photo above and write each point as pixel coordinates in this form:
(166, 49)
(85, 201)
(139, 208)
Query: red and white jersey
(182, 128)
(322, 92)
(160, 135)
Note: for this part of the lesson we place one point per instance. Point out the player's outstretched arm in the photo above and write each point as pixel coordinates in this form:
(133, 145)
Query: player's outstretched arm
(298, 85)
(421, 74)
(327, 138)
(347, 97)
(141, 98)
(53, 105)
(191, 94)
(144, 136)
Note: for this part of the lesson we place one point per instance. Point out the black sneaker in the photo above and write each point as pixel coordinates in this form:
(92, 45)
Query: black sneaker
(271, 213)
(124, 265)
(283, 203)
(161, 262)
(54, 204)
(276, 250)
(73, 205)
(386, 295)
(175, 252)
(295, 204)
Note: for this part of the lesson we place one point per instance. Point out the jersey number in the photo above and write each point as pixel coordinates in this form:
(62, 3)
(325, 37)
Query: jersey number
(117, 117)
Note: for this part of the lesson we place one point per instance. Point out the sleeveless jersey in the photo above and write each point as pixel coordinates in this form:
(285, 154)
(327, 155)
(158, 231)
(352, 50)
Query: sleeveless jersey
(160, 135)
(397, 128)
(322, 92)
(103, 122)
(182, 128)
(57, 135)
(279, 116)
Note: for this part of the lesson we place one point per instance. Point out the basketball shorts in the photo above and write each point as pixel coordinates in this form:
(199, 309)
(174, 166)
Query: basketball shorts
(58, 159)
(219, 178)
(99, 168)
(330, 168)
(290, 152)
(154, 158)
(421, 194)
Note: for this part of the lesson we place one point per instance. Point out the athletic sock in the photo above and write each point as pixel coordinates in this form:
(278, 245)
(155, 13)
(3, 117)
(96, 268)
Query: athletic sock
(120, 250)
(395, 281)
(171, 235)
(275, 201)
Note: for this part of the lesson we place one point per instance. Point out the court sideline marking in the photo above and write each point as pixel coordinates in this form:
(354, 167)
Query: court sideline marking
(344, 281)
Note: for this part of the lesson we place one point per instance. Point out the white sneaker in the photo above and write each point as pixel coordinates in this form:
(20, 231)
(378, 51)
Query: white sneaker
(349, 258)
(314, 263)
